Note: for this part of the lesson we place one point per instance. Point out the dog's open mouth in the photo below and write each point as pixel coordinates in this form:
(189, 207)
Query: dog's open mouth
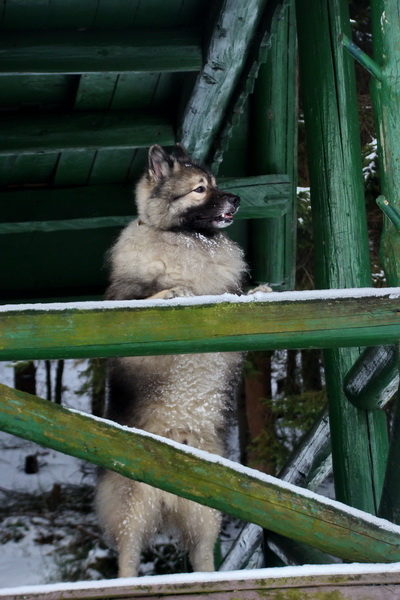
(223, 220)
(225, 217)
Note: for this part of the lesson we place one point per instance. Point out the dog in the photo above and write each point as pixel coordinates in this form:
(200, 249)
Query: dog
(175, 248)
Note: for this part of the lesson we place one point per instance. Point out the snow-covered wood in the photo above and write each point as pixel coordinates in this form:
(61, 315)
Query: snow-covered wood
(209, 479)
(201, 324)
(327, 582)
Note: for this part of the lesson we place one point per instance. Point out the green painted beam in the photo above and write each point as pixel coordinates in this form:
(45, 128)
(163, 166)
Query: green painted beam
(89, 207)
(227, 52)
(359, 437)
(89, 51)
(204, 478)
(286, 320)
(27, 134)
(386, 103)
(274, 150)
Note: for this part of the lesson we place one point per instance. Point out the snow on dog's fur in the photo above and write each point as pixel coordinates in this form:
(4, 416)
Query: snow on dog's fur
(175, 248)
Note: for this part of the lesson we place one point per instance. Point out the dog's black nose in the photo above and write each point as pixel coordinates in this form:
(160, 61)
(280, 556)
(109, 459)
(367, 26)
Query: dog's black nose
(233, 199)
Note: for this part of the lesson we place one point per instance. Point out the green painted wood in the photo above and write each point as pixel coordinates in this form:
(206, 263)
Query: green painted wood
(28, 135)
(284, 321)
(73, 167)
(362, 57)
(95, 91)
(227, 52)
(374, 378)
(341, 582)
(115, 14)
(91, 51)
(267, 195)
(390, 211)
(390, 502)
(20, 14)
(110, 166)
(359, 438)
(244, 493)
(37, 91)
(275, 150)
(21, 169)
(386, 100)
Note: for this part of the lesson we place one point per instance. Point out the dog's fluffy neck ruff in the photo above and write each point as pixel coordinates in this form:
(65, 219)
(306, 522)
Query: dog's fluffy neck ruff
(207, 233)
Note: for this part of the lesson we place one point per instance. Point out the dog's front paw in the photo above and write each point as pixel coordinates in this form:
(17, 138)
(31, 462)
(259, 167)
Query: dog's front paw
(260, 288)
(178, 292)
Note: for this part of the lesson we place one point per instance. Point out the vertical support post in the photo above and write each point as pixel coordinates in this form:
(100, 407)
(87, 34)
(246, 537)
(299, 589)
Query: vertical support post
(385, 19)
(386, 99)
(359, 437)
(275, 151)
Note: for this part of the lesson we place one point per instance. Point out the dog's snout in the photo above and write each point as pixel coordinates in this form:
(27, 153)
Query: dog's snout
(233, 199)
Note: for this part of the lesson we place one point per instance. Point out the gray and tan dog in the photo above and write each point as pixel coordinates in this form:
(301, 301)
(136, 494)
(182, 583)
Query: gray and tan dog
(175, 248)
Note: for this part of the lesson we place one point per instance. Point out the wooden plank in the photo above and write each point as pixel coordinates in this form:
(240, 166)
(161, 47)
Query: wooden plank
(73, 167)
(91, 51)
(261, 197)
(248, 494)
(275, 150)
(134, 90)
(374, 378)
(95, 91)
(226, 56)
(342, 582)
(30, 170)
(112, 14)
(111, 166)
(37, 91)
(286, 320)
(386, 31)
(30, 135)
(361, 582)
(161, 14)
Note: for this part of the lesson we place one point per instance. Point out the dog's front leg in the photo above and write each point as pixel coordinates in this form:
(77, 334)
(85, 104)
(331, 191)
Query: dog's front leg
(175, 292)
(260, 288)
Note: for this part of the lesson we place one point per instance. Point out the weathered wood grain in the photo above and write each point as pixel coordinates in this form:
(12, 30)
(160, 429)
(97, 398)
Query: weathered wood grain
(134, 328)
(24, 134)
(342, 256)
(207, 479)
(112, 205)
(91, 51)
(287, 584)
(226, 55)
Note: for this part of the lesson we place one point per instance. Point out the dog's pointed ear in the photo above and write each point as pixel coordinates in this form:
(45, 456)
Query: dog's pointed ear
(181, 154)
(159, 163)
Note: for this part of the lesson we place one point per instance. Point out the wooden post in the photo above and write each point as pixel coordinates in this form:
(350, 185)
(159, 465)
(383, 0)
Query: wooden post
(274, 132)
(359, 438)
(386, 98)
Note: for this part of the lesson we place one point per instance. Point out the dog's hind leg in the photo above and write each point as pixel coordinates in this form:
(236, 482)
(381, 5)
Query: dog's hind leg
(129, 551)
(201, 528)
(134, 534)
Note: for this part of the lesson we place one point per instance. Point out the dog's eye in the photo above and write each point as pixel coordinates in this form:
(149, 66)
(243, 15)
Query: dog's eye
(200, 190)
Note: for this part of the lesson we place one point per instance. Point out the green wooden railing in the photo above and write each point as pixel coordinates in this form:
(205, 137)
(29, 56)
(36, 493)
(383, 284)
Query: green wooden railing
(285, 320)
(205, 478)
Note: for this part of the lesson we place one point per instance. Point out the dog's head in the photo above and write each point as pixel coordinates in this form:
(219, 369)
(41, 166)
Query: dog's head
(178, 194)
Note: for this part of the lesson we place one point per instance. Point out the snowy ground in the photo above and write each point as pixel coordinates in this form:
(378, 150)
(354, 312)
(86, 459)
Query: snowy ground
(30, 540)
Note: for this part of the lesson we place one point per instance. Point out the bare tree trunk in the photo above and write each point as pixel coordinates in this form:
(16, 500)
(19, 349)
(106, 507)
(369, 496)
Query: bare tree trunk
(59, 378)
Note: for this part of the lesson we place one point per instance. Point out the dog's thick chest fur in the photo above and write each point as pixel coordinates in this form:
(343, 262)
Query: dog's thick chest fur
(175, 248)
(146, 261)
